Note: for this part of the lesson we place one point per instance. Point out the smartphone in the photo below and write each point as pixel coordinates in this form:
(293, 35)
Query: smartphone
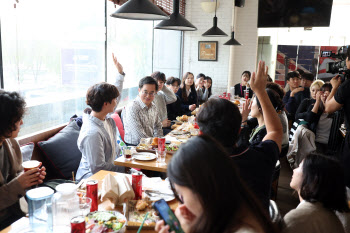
(167, 215)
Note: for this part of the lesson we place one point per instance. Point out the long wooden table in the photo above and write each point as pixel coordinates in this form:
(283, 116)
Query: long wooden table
(107, 205)
(151, 165)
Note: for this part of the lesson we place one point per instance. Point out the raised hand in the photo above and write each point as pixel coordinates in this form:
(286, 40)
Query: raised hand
(259, 79)
(117, 64)
(336, 81)
(246, 109)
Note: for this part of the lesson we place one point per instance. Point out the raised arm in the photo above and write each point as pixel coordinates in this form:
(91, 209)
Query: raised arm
(272, 122)
(169, 95)
(331, 104)
(119, 81)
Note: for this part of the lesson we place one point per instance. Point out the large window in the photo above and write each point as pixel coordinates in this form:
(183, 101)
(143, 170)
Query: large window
(54, 50)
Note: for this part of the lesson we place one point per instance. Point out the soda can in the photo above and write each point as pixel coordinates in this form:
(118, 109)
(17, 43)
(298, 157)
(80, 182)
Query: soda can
(77, 224)
(246, 94)
(161, 144)
(137, 185)
(92, 192)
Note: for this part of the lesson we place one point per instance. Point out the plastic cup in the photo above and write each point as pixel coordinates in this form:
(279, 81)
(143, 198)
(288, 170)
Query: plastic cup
(84, 205)
(161, 154)
(127, 153)
(31, 164)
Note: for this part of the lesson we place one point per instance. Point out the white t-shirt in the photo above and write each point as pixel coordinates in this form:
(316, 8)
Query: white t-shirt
(323, 129)
(109, 130)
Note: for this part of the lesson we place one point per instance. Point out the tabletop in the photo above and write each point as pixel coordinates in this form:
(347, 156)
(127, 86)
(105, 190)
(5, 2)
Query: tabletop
(151, 165)
(107, 205)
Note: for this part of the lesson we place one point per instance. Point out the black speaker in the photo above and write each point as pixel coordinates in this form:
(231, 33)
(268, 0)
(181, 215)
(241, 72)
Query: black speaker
(240, 3)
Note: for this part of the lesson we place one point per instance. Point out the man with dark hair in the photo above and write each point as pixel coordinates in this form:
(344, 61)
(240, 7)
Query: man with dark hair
(98, 136)
(163, 97)
(337, 99)
(13, 181)
(221, 119)
(141, 118)
(306, 80)
(293, 80)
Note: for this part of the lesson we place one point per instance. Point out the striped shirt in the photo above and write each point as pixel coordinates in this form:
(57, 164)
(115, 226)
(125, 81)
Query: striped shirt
(141, 121)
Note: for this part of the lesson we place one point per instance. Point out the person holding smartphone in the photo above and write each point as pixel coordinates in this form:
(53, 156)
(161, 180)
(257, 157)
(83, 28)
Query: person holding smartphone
(219, 203)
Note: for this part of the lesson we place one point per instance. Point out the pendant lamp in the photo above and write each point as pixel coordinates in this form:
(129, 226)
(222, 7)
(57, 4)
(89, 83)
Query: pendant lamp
(176, 21)
(215, 31)
(140, 10)
(232, 41)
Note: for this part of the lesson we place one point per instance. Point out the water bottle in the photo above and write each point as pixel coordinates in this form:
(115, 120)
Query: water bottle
(65, 204)
(40, 209)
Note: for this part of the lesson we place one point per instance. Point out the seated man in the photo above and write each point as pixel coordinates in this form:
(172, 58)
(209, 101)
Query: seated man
(306, 81)
(163, 97)
(141, 118)
(13, 181)
(221, 119)
(98, 136)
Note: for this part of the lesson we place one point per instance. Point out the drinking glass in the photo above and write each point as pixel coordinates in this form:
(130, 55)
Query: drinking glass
(161, 154)
(127, 153)
(84, 205)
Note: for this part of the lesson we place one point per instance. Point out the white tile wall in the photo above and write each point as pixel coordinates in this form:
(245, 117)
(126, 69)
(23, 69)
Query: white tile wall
(243, 56)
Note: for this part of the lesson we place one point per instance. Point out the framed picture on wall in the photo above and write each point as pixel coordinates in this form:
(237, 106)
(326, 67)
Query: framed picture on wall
(207, 50)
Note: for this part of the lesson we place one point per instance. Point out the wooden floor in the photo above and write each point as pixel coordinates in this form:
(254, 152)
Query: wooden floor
(287, 199)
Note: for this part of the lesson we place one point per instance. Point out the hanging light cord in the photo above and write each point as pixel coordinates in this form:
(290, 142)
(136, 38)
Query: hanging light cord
(216, 3)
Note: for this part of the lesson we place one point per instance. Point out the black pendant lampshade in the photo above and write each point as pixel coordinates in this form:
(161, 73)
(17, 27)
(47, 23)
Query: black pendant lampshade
(176, 21)
(232, 41)
(215, 31)
(140, 10)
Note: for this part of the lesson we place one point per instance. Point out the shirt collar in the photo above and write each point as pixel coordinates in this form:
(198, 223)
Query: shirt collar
(92, 118)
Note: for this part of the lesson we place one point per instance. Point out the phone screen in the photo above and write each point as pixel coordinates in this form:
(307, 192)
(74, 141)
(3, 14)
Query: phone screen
(167, 215)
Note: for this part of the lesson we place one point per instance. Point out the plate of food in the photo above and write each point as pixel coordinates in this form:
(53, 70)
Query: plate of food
(145, 148)
(144, 156)
(135, 213)
(172, 148)
(105, 221)
(183, 118)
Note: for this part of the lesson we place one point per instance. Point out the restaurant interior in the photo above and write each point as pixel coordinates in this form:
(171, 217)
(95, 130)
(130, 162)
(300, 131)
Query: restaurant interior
(253, 58)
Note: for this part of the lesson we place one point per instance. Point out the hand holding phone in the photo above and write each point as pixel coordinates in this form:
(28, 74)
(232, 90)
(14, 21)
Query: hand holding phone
(167, 215)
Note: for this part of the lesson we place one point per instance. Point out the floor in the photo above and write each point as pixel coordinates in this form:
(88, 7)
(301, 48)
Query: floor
(287, 199)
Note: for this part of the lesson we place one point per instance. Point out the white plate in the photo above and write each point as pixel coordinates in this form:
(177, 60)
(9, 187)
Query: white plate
(145, 156)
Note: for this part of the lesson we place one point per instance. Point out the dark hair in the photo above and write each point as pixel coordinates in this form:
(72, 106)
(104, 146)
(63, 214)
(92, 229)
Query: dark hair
(12, 108)
(220, 119)
(348, 52)
(246, 72)
(275, 99)
(183, 86)
(200, 75)
(300, 71)
(209, 89)
(269, 79)
(323, 181)
(307, 76)
(99, 94)
(277, 88)
(158, 76)
(171, 80)
(222, 194)
(293, 74)
(326, 87)
(148, 80)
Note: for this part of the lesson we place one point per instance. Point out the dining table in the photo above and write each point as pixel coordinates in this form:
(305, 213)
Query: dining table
(104, 205)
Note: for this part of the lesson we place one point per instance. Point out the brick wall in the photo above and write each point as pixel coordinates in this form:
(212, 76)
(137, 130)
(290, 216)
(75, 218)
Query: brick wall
(242, 57)
(218, 70)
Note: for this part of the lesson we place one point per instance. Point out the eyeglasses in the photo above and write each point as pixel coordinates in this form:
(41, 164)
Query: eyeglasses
(147, 93)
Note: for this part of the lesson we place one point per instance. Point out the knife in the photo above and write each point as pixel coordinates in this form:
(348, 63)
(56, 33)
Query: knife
(151, 192)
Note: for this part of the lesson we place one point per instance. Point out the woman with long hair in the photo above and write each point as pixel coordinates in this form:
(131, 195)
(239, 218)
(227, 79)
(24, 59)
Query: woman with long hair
(188, 94)
(220, 202)
(319, 182)
(243, 85)
(208, 83)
